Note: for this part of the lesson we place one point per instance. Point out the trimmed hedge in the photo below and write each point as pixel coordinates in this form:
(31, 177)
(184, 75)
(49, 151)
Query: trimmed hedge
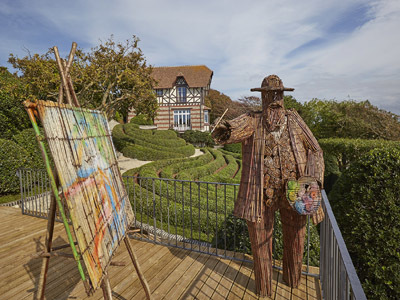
(235, 148)
(138, 135)
(226, 174)
(339, 154)
(204, 170)
(141, 120)
(143, 145)
(234, 154)
(197, 138)
(366, 204)
(170, 170)
(12, 157)
(120, 139)
(165, 134)
(145, 153)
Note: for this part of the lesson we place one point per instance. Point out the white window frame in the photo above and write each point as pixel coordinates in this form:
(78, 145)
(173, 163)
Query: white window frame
(206, 117)
(182, 119)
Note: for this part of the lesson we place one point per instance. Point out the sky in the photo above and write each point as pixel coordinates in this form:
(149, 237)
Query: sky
(331, 49)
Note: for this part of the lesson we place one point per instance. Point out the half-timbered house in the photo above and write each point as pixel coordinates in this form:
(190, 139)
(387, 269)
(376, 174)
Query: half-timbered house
(180, 94)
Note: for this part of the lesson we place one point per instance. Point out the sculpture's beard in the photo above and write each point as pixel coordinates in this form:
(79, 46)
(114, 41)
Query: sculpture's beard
(273, 111)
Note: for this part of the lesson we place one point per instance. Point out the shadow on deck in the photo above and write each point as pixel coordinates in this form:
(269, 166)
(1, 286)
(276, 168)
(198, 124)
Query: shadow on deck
(172, 273)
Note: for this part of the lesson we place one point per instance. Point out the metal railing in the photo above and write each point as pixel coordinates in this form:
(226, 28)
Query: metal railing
(197, 216)
(338, 276)
(35, 193)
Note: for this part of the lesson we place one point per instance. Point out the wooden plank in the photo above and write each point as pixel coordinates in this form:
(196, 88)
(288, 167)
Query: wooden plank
(131, 281)
(162, 270)
(122, 277)
(227, 280)
(283, 291)
(240, 284)
(301, 291)
(174, 276)
(202, 278)
(184, 282)
(313, 288)
(250, 292)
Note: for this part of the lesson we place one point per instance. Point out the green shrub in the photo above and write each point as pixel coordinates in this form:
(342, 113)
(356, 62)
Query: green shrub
(235, 148)
(227, 174)
(27, 140)
(141, 120)
(339, 154)
(198, 138)
(366, 204)
(134, 130)
(166, 145)
(234, 154)
(12, 157)
(204, 170)
(144, 153)
(165, 134)
(119, 137)
(174, 168)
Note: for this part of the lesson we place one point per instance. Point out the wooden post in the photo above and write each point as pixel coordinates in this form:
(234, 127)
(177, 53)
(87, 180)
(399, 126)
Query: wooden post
(106, 287)
(48, 243)
(137, 267)
(62, 75)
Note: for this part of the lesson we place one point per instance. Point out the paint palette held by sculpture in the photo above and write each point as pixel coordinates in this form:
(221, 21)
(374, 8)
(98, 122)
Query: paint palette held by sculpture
(304, 195)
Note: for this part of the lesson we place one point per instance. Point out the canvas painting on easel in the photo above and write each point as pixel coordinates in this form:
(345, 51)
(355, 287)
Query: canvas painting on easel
(81, 146)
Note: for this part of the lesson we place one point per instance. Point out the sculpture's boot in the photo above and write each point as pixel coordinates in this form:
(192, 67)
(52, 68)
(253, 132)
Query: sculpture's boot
(293, 229)
(261, 245)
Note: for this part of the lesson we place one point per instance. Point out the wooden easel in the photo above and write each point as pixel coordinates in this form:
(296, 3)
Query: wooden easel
(67, 90)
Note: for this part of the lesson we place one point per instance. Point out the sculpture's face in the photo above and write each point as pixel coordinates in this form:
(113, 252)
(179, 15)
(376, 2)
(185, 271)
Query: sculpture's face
(272, 99)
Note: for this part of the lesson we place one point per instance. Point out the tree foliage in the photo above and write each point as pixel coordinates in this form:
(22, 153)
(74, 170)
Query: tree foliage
(350, 119)
(366, 204)
(111, 77)
(218, 102)
(13, 117)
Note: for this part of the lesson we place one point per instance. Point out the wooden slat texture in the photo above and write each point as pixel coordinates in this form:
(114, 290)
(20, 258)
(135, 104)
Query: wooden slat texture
(82, 150)
(172, 273)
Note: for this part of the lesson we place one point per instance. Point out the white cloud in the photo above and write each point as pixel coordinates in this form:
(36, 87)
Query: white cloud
(240, 41)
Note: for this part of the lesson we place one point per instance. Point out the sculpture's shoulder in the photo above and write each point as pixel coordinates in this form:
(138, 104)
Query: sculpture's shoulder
(255, 114)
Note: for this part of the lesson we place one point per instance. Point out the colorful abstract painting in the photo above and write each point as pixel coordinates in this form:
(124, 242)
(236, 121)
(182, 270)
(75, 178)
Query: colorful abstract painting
(81, 146)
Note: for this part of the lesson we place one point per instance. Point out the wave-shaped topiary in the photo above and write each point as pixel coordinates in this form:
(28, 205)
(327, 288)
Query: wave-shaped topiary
(142, 144)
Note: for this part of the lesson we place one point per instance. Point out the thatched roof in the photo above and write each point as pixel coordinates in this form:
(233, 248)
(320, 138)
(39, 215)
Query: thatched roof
(195, 76)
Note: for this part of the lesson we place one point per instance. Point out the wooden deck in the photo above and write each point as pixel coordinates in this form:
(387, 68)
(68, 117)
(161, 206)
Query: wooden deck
(171, 273)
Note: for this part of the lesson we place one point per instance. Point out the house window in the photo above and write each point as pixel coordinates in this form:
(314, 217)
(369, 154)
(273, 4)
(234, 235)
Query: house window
(159, 92)
(181, 89)
(182, 120)
(206, 116)
(181, 93)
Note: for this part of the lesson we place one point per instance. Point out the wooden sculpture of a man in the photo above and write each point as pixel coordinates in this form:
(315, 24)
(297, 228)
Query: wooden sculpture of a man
(277, 147)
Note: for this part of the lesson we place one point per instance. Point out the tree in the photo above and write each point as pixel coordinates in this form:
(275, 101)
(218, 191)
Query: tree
(113, 77)
(218, 102)
(350, 119)
(13, 117)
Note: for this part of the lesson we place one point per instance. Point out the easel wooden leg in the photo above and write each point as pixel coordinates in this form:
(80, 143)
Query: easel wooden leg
(106, 287)
(48, 243)
(137, 267)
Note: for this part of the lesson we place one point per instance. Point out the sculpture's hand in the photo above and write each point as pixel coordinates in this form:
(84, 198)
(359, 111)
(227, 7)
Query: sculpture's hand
(221, 133)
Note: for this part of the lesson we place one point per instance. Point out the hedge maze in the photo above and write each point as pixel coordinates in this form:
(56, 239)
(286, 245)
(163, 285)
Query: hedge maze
(152, 145)
(192, 197)
(194, 208)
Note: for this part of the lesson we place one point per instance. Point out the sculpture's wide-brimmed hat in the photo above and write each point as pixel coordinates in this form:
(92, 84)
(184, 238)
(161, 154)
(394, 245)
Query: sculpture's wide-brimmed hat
(272, 83)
